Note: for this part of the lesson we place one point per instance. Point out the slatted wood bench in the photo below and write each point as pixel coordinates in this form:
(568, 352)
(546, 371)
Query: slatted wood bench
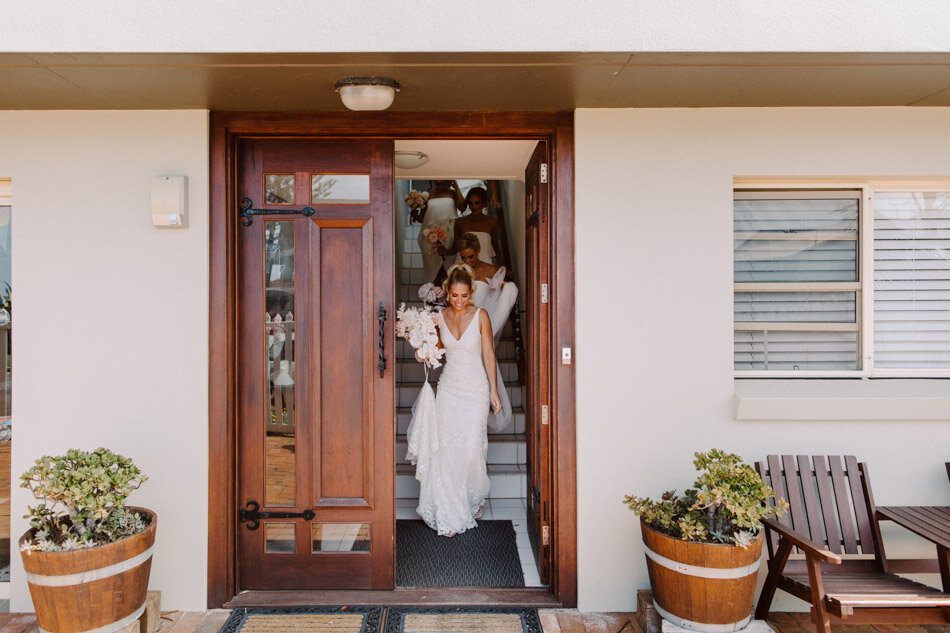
(832, 521)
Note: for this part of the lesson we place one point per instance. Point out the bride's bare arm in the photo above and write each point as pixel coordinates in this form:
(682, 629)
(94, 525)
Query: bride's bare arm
(488, 357)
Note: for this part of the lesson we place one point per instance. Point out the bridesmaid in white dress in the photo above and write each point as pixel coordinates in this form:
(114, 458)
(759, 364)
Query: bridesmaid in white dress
(450, 444)
(445, 201)
(484, 227)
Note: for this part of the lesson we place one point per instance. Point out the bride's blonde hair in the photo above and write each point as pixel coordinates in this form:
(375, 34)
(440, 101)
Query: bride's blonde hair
(460, 274)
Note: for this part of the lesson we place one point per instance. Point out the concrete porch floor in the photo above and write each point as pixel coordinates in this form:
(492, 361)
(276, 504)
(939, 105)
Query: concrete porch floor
(552, 621)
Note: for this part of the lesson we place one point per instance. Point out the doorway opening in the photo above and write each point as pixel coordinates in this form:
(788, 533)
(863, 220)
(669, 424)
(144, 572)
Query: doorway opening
(495, 170)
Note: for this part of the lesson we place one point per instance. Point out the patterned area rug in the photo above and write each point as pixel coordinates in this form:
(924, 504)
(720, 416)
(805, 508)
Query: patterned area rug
(462, 620)
(383, 620)
(486, 556)
(304, 619)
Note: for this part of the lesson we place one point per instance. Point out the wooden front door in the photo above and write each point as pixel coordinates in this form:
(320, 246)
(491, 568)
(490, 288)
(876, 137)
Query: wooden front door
(538, 399)
(315, 437)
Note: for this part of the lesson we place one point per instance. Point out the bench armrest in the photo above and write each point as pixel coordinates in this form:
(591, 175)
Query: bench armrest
(802, 542)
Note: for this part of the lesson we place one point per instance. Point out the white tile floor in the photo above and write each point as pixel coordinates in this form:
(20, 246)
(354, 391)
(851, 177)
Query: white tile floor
(510, 509)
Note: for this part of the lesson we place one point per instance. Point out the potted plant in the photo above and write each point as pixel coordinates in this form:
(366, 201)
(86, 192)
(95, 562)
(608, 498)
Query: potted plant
(703, 547)
(87, 555)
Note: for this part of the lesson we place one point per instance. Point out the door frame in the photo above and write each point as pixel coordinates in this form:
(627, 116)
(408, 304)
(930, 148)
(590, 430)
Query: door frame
(557, 128)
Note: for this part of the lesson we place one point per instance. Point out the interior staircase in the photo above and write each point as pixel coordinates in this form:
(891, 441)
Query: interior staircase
(506, 450)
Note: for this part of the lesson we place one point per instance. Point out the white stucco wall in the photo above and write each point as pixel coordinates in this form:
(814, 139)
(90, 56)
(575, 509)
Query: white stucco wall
(654, 274)
(111, 313)
(111, 316)
(464, 25)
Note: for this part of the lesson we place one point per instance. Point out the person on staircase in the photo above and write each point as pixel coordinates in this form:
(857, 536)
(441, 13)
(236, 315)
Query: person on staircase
(444, 203)
(468, 246)
(483, 226)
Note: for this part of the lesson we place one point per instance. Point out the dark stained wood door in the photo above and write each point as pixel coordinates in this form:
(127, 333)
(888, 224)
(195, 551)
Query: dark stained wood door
(538, 349)
(315, 444)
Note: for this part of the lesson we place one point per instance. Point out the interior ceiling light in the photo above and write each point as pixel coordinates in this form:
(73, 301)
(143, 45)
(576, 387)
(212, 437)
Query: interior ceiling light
(367, 93)
(410, 159)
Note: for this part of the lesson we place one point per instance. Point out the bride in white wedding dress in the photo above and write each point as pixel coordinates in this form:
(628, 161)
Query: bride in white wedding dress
(448, 440)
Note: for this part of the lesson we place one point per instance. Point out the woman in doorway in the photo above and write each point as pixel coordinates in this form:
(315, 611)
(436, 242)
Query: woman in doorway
(445, 201)
(451, 459)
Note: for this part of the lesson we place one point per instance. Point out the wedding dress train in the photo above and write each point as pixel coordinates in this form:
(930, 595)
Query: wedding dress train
(448, 439)
(497, 297)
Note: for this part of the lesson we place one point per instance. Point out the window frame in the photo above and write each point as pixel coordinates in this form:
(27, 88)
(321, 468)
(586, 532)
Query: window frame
(864, 304)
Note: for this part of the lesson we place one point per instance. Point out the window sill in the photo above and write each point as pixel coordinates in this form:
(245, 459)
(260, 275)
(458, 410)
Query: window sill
(842, 400)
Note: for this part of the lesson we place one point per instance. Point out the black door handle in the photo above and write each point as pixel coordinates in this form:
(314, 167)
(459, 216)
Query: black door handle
(252, 515)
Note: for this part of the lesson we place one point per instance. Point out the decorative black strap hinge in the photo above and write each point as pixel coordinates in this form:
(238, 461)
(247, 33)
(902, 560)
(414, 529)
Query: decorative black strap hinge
(247, 211)
(252, 515)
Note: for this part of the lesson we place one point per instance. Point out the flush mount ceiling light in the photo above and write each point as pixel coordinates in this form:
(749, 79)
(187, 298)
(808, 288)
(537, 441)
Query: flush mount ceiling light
(367, 93)
(410, 159)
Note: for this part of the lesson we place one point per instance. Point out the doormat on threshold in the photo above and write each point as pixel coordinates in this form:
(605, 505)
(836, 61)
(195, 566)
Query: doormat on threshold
(462, 620)
(485, 556)
(338, 619)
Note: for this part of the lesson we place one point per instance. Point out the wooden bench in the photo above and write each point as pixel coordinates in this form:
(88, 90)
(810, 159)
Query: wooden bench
(833, 523)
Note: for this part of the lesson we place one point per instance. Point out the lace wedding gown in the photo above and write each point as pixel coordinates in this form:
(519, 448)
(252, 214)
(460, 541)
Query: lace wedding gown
(448, 440)
(439, 212)
(497, 297)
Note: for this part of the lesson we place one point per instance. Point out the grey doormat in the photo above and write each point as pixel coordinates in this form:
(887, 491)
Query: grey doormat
(462, 620)
(333, 619)
(485, 556)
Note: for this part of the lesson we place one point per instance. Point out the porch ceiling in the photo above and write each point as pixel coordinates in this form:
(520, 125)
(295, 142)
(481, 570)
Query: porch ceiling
(474, 81)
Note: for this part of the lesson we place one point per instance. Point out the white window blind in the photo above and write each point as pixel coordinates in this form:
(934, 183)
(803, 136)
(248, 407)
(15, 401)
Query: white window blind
(912, 279)
(797, 286)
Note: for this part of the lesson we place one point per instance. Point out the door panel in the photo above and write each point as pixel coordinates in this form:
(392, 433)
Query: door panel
(315, 414)
(537, 411)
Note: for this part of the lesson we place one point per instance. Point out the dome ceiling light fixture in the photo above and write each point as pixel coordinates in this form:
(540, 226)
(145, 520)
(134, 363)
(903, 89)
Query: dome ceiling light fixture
(410, 159)
(367, 93)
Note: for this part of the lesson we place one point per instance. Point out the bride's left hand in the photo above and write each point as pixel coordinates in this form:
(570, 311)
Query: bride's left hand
(495, 402)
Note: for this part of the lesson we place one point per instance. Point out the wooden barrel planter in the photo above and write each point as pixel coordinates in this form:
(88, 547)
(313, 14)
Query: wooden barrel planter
(707, 587)
(99, 589)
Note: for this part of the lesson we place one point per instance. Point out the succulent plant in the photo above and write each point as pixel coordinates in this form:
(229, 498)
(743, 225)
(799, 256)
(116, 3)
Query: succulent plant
(83, 496)
(725, 504)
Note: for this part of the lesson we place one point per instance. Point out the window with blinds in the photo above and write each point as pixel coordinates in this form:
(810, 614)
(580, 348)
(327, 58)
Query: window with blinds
(912, 279)
(799, 298)
(797, 285)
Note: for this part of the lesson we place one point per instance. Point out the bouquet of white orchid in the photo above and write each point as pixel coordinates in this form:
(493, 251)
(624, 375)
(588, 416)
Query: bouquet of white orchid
(417, 325)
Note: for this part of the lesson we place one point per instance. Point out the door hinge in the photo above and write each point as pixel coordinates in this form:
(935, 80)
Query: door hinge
(544, 414)
(544, 293)
(544, 173)
(545, 535)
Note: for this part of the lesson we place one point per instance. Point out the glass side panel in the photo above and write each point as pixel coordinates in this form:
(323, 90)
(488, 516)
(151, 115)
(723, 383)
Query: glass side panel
(339, 537)
(339, 188)
(278, 538)
(279, 429)
(278, 188)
